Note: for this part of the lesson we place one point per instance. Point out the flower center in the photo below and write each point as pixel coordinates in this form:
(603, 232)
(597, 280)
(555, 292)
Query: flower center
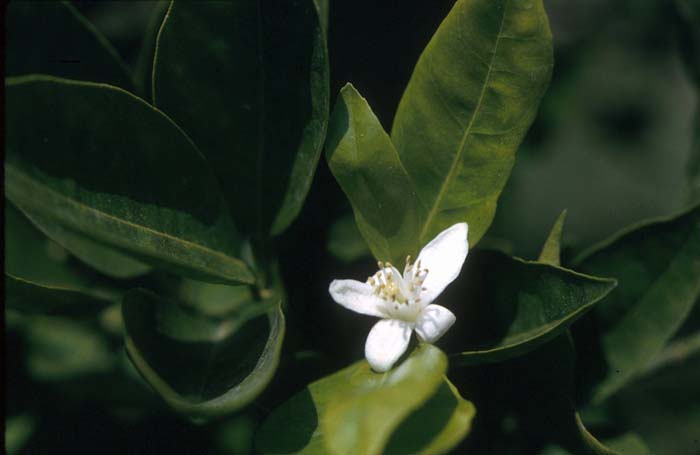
(400, 292)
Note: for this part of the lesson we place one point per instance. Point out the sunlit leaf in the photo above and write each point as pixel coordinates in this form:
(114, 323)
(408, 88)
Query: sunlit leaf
(472, 96)
(357, 410)
(367, 167)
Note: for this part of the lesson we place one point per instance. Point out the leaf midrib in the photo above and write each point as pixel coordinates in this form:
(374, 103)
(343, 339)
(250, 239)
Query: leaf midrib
(19, 175)
(460, 149)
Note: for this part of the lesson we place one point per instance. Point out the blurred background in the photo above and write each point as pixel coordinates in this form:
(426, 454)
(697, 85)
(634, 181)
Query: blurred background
(612, 144)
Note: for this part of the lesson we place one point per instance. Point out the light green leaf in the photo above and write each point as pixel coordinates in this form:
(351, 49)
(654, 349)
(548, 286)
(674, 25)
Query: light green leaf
(472, 96)
(436, 427)
(657, 265)
(519, 305)
(368, 169)
(201, 366)
(53, 38)
(345, 241)
(551, 251)
(248, 81)
(357, 410)
(103, 163)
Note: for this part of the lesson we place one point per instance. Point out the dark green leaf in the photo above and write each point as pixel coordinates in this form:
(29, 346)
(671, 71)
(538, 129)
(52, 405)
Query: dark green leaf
(519, 305)
(367, 167)
(472, 96)
(143, 68)
(689, 28)
(356, 410)
(38, 277)
(657, 265)
(102, 258)
(53, 38)
(18, 430)
(248, 81)
(664, 406)
(202, 367)
(103, 163)
(62, 349)
(551, 251)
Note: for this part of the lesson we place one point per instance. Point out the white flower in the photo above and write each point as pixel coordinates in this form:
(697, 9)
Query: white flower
(405, 301)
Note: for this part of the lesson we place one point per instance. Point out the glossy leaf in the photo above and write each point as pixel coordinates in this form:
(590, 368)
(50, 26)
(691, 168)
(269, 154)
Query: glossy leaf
(345, 241)
(248, 81)
(551, 251)
(103, 163)
(53, 38)
(437, 426)
(368, 169)
(520, 304)
(104, 259)
(657, 265)
(202, 367)
(357, 410)
(473, 94)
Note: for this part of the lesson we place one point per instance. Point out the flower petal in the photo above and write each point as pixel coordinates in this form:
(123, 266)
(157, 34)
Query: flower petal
(357, 296)
(386, 343)
(433, 322)
(443, 257)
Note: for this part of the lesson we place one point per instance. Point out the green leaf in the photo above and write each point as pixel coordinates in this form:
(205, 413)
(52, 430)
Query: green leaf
(201, 366)
(437, 426)
(356, 410)
(345, 241)
(323, 11)
(472, 96)
(143, 68)
(248, 81)
(551, 251)
(62, 349)
(519, 305)
(663, 407)
(38, 277)
(103, 163)
(53, 38)
(368, 169)
(101, 258)
(657, 265)
(688, 12)
(30, 256)
(18, 430)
